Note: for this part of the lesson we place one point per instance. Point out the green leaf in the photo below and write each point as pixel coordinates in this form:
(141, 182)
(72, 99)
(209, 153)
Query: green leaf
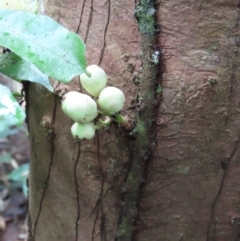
(11, 112)
(16, 68)
(42, 41)
(16, 94)
(19, 174)
(5, 130)
(24, 187)
(5, 157)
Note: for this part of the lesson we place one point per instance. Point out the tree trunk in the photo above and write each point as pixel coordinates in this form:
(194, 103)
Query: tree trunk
(175, 175)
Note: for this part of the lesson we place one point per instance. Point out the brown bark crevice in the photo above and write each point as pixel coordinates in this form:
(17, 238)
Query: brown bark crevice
(105, 33)
(211, 230)
(80, 17)
(89, 22)
(77, 188)
(98, 206)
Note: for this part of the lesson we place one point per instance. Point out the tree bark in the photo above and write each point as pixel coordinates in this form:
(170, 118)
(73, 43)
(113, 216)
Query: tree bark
(175, 175)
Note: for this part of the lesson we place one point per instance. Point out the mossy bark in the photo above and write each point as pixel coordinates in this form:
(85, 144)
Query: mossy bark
(142, 146)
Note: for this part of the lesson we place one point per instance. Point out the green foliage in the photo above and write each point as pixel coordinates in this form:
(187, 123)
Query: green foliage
(5, 157)
(20, 175)
(42, 41)
(18, 69)
(40, 47)
(7, 131)
(10, 111)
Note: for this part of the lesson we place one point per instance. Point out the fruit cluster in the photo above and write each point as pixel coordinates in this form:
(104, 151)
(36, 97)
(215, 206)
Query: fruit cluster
(83, 109)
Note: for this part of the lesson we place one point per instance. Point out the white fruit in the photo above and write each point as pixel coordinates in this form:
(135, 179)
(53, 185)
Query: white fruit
(23, 5)
(79, 107)
(94, 84)
(111, 100)
(83, 131)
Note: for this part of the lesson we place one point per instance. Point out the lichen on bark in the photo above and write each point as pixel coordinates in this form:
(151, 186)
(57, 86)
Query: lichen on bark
(144, 13)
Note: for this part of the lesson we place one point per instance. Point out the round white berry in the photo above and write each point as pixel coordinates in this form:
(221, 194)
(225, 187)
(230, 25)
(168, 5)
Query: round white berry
(111, 100)
(83, 131)
(79, 107)
(94, 84)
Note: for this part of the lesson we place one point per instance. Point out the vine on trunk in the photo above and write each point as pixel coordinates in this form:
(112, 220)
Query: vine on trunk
(143, 144)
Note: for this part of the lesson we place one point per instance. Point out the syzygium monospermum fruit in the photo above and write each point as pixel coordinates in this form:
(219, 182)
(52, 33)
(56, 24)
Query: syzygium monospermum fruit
(111, 100)
(83, 131)
(79, 107)
(94, 84)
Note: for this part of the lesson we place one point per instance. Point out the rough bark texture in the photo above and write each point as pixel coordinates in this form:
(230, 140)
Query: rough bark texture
(190, 191)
